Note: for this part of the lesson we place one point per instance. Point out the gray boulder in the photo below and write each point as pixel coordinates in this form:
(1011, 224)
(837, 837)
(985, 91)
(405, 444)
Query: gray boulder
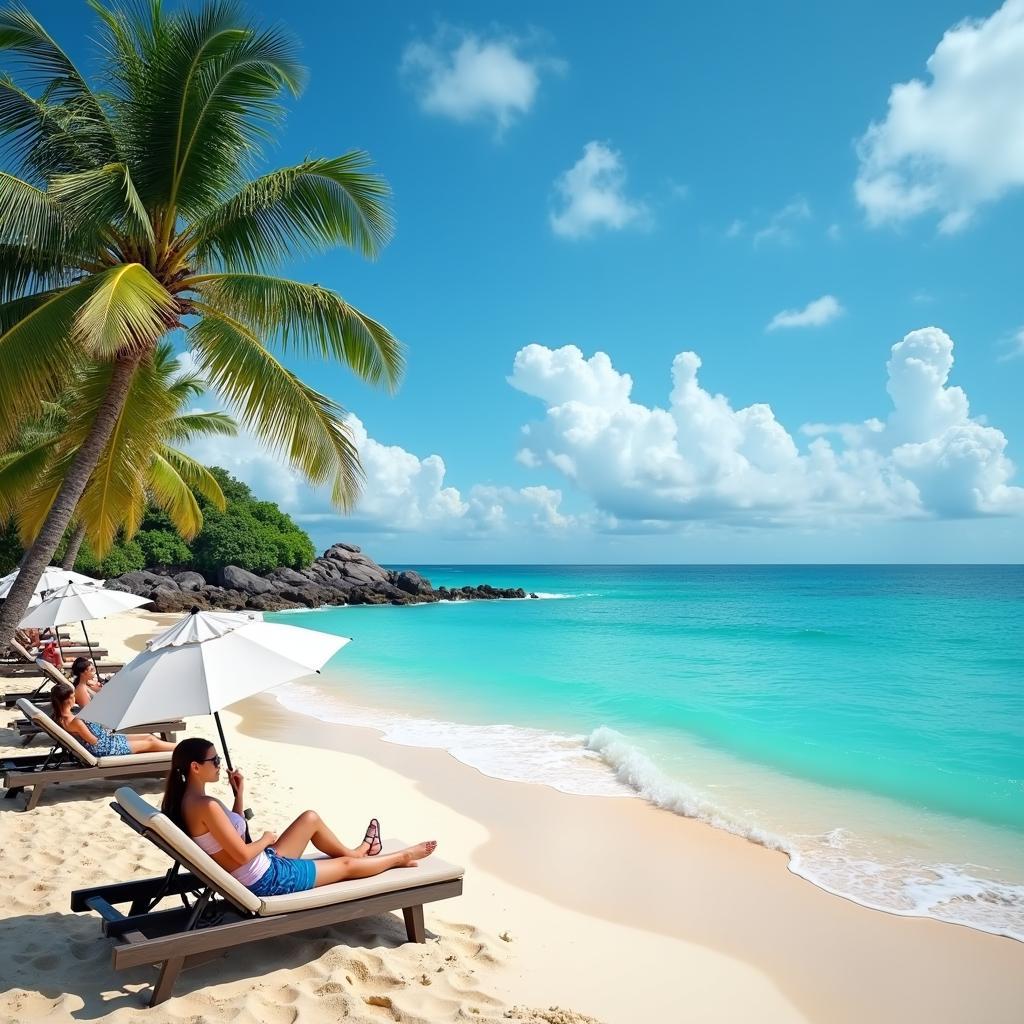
(234, 578)
(412, 582)
(284, 576)
(365, 573)
(189, 580)
(141, 582)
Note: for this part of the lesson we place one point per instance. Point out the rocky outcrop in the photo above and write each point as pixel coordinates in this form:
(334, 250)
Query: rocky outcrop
(342, 575)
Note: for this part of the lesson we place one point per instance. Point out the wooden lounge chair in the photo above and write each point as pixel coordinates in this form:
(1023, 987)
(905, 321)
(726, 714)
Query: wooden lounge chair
(69, 761)
(219, 913)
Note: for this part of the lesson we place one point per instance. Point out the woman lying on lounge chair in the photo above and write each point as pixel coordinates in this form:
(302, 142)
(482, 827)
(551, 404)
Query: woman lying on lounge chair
(85, 680)
(97, 740)
(271, 865)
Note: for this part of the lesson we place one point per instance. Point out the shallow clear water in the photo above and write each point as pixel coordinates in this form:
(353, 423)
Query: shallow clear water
(868, 720)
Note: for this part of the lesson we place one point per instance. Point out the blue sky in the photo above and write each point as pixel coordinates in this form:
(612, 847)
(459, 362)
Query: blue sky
(675, 181)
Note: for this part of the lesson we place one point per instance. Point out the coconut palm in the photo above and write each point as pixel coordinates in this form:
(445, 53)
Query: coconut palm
(140, 464)
(130, 210)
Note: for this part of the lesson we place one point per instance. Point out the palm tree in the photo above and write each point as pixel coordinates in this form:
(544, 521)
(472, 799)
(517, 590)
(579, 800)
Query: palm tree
(129, 212)
(140, 463)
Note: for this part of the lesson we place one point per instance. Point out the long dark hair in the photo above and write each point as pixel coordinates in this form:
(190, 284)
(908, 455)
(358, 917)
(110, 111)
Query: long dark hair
(187, 751)
(58, 696)
(78, 666)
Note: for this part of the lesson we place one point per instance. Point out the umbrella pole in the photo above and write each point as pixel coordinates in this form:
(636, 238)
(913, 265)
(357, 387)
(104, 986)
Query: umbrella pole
(92, 657)
(247, 812)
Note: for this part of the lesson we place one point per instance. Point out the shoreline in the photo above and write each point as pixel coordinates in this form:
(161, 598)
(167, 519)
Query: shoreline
(603, 903)
(726, 891)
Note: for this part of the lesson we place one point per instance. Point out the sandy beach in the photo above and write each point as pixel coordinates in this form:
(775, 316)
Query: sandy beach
(607, 906)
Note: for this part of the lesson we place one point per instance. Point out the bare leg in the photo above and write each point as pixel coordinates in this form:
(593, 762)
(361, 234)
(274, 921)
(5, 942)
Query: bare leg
(338, 869)
(308, 827)
(148, 744)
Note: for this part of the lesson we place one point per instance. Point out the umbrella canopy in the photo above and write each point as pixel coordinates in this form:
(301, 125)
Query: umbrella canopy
(206, 662)
(79, 602)
(53, 577)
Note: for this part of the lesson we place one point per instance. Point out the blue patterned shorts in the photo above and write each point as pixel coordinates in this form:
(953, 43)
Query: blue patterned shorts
(285, 874)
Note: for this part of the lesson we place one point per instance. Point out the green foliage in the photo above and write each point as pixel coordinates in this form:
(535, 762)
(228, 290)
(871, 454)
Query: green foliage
(124, 556)
(163, 548)
(255, 535)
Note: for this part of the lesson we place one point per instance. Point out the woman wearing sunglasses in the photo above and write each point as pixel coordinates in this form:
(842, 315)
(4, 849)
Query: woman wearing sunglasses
(272, 864)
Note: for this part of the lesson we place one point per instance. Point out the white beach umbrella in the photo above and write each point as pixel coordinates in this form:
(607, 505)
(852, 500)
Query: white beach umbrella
(206, 662)
(78, 602)
(53, 578)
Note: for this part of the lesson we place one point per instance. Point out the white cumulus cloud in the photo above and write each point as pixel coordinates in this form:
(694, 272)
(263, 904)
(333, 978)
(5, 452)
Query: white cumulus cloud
(592, 196)
(815, 314)
(403, 492)
(701, 458)
(953, 143)
(469, 77)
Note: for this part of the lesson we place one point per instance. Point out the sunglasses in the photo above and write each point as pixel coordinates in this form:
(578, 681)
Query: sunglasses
(215, 759)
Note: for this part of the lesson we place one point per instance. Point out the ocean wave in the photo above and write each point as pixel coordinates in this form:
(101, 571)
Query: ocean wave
(957, 894)
(635, 769)
(509, 752)
(607, 763)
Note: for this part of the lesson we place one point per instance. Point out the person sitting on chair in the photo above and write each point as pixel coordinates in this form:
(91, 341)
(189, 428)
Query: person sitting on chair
(272, 864)
(98, 741)
(85, 680)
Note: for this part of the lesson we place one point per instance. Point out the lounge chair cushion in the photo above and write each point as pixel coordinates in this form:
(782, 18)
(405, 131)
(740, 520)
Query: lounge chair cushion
(52, 673)
(430, 870)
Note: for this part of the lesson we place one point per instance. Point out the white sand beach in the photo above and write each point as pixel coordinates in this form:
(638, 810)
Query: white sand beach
(614, 909)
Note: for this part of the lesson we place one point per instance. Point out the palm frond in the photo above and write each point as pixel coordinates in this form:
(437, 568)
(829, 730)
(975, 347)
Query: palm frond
(212, 90)
(196, 475)
(29, 217)
(127, 311)
(298, 210)
(36, 137)
(290, 417)
(20, 472)
(101, 197)
(45, 66)
(170, 492)
(37, 350)
(190, 425)
(309, 319)
(31, 270)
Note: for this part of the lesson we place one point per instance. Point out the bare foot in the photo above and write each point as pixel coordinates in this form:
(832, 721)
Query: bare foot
(418, 852)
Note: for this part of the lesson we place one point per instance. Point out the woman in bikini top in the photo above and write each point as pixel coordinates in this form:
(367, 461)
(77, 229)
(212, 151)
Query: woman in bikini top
(272, 864)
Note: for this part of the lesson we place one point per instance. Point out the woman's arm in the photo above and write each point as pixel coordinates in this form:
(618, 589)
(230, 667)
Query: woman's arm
(216, 822)
(81, 732)
(82, 695)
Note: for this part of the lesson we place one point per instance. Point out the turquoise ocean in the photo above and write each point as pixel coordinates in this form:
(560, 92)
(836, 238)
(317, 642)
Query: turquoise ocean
(866, 720)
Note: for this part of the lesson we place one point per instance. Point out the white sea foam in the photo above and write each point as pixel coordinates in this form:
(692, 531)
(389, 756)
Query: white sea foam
(635, 769)
(606, 763)
(509, 752)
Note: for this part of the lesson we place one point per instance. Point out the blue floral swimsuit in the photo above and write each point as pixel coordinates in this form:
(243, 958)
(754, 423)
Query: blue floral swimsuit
(108, 744)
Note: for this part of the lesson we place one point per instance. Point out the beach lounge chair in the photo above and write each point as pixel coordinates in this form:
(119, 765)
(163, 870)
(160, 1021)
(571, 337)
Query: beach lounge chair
(219, 913)
(29, 729)
(69, 761)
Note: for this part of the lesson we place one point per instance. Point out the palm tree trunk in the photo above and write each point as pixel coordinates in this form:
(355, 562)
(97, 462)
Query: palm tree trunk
(38, 556)
(73, 547)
